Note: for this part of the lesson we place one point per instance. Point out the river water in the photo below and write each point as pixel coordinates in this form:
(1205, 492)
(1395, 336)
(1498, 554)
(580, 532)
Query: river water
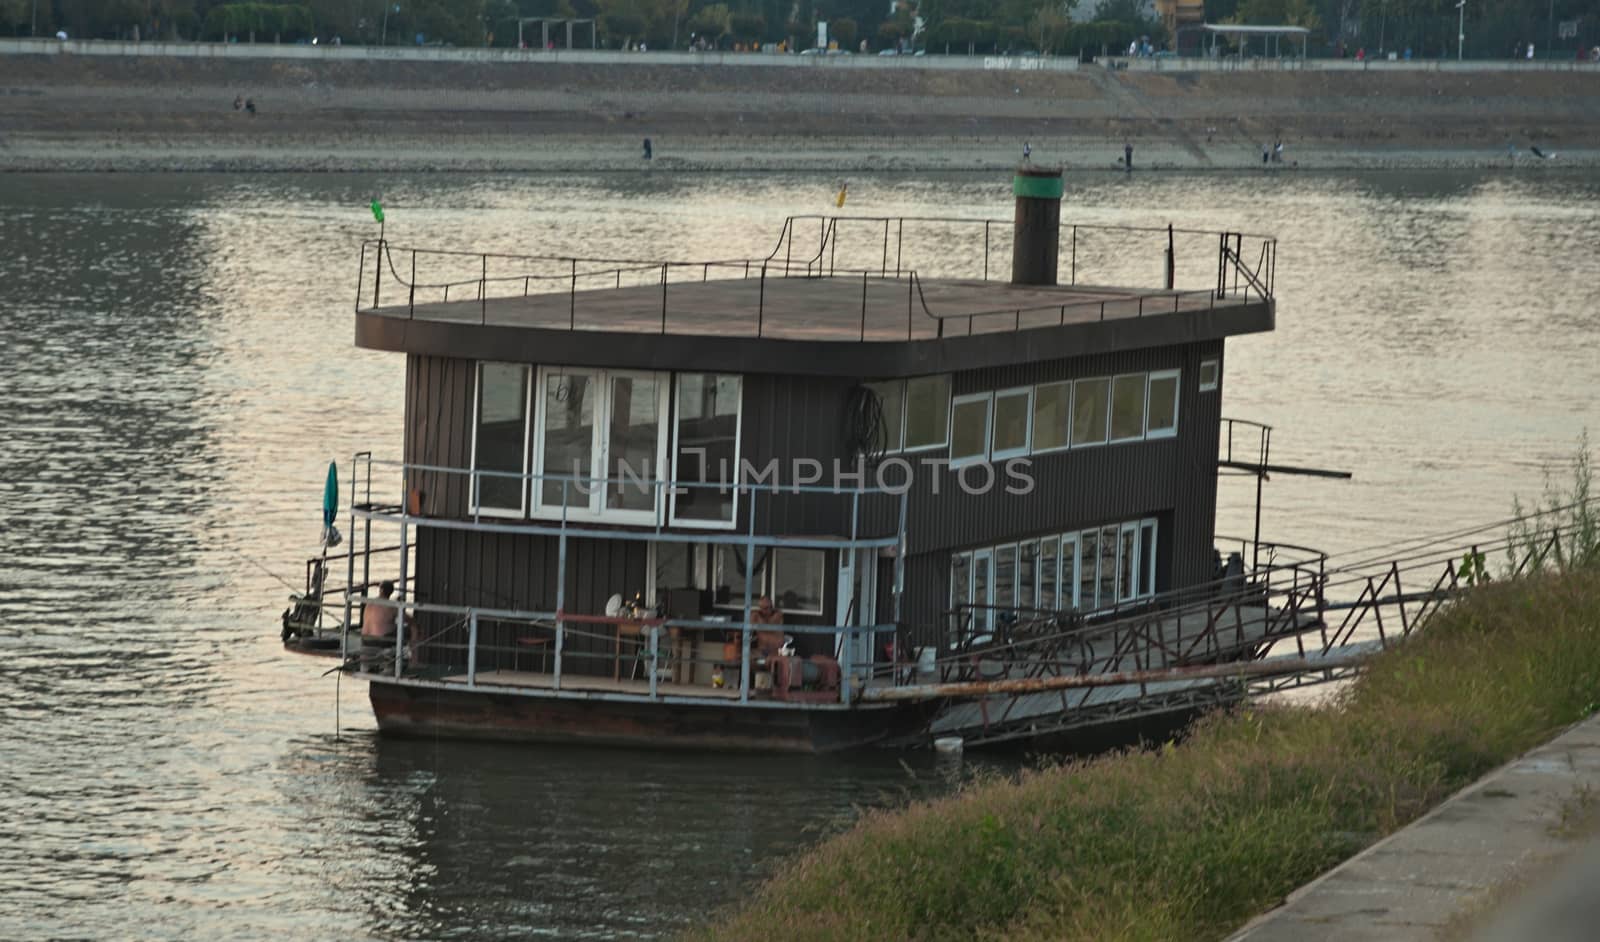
(176, 371)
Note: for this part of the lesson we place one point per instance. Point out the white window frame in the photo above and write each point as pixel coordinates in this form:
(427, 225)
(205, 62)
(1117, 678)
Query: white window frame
(905, 417)
(987, 398)
(738, 456)
(1026, 392)
(599, 444)
(1128, 593)
(1215, 365)
(1067, 598)
(763, 574)
(1148, 586)
(1111, 408)
(822, 584)
(527, 431)
(1177, 387)
(1066, 442)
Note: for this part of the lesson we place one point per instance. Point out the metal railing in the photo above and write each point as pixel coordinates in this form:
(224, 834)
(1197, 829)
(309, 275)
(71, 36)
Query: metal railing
(738, 529)
(875, 251)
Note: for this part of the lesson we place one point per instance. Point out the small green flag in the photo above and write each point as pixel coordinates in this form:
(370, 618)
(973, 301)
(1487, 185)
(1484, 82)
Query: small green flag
(377, 211)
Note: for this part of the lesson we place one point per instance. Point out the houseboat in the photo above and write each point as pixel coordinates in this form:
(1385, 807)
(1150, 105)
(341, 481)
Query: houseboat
(730, 504)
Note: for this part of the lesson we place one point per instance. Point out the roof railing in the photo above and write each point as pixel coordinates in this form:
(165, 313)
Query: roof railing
(874, 249)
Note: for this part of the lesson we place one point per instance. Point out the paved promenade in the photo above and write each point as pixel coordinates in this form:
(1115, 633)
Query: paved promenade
(1513, 856)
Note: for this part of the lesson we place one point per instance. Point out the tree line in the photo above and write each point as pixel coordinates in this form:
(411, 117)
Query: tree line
(1428, 27)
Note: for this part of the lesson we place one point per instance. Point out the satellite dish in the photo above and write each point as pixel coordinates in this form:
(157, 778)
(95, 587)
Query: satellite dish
(614, 606)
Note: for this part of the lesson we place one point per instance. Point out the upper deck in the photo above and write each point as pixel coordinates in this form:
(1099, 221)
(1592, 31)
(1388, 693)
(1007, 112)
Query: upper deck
(838, 299)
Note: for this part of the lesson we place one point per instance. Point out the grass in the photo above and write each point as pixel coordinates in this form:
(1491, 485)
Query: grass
(1192, 840)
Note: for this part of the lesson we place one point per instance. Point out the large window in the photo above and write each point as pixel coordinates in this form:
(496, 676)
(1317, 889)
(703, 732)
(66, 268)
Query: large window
(1052, 416)
(797, 580)
(916, 412)
(1013, 411)
(1089, 411)
(601, 443)
(1127, 407)
(706, 449)
(1161, 419)
(927, 412)
(892, 403)
(969, 429)
(500, 438)
(1088, 570)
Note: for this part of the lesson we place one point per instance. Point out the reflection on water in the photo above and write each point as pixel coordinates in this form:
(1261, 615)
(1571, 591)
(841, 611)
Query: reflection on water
(176, 370)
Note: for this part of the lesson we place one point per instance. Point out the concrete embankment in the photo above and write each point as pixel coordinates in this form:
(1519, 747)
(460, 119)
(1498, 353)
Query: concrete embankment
(1510, 857)
(145, 112)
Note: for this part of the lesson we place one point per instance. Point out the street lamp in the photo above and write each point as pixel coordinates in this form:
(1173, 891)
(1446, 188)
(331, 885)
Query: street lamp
(1461, 27)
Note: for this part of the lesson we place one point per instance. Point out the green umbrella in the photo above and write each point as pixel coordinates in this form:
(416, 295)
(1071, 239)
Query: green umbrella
(330, 493)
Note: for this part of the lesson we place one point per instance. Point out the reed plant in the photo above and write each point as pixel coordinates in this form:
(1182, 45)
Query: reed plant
(1191, 840)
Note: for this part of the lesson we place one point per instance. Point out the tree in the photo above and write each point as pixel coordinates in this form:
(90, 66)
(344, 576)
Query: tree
(712, 22)
(843, 32)
(1048, 29)
(748, 27)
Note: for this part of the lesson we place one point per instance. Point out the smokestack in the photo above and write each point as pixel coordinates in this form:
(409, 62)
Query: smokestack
(1036, 240)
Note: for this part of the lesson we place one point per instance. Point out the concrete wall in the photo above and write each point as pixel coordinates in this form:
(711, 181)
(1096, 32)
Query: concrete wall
(99, 47)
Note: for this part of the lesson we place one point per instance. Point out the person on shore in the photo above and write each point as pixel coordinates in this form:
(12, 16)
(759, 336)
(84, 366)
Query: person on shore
(1127, 157)
(648, 153)
(238, 103)
(1266, 154)
(1530, 52)
(250, 105)
(1361, 54)
(378, 625)
(1027, 151)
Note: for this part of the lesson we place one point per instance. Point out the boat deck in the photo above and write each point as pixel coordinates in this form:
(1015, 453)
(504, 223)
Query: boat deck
(842, 309)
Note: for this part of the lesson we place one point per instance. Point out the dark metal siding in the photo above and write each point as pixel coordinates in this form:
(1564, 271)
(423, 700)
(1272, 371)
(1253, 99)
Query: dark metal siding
(439, 410)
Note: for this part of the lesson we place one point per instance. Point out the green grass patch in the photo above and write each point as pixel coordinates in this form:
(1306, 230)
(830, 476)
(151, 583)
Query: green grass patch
(1192, 840)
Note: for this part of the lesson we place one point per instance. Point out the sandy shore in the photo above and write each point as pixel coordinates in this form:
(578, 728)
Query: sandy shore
(150, 114)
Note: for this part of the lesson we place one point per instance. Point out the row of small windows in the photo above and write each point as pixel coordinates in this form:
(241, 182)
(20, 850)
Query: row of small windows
(1084, 571)
(919, 414)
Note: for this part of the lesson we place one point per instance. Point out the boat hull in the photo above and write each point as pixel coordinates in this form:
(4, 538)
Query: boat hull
(404, 709)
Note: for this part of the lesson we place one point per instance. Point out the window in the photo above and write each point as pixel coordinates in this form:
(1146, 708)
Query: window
(671, 567)
(567, 438)
(797, 580)
(500, 438)
(1013, 410)
(1052, 416)
(1005, 576)
(1210, 374)
(1049, 573)
(891, 404)
(969, 429)
(1162, 404)
(1128, 563)
(1089, 404)
(706, 448)
(728, 579)
(1028, 576)
(1069, 572)
(1106, 587)
(1127, 407)
(927, 412)
(1088, 563)
(602, 441)
(1147, 558)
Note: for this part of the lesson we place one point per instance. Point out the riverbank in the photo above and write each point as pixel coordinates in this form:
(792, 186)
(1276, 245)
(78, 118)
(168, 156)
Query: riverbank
(1191, 841)
(149, 113)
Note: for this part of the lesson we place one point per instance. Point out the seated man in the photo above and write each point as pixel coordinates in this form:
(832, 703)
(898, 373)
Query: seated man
(378, 629)
(767, 643)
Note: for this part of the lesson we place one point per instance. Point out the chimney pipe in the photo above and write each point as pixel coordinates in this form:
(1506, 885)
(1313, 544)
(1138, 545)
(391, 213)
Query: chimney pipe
(1036, 237)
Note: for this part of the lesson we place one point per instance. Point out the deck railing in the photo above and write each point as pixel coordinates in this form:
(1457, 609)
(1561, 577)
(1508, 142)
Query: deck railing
(1209, 266)
(858, 646)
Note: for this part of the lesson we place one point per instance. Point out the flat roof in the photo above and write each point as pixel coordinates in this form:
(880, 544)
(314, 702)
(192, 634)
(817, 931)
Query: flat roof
(845, 325)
